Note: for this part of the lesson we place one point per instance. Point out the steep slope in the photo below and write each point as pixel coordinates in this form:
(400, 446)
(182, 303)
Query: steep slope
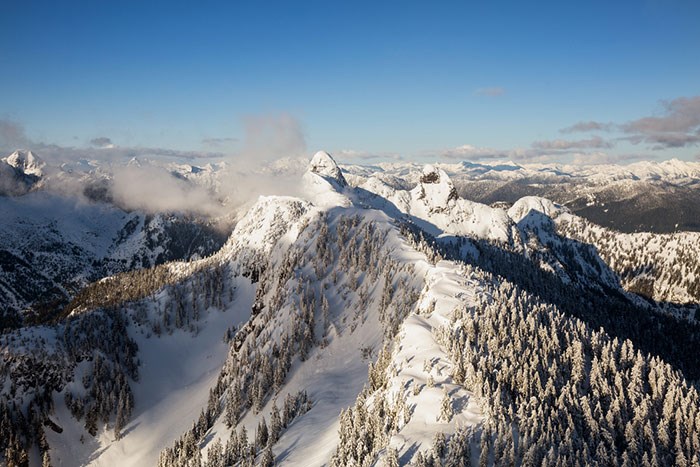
(52, 245)
(324, 183)
(342, 302)
(319, 298)
(660, 267)
(572, 261)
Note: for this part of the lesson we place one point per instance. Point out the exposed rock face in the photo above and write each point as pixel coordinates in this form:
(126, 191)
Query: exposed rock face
(436, 188)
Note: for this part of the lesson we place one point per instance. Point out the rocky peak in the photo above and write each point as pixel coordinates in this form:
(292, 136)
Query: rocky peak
(27, 162)
(324, 165)
(435, 187)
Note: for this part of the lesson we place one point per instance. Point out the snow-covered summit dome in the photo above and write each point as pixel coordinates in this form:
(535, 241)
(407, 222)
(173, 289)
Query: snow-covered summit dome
(323, 164)
(524, 205)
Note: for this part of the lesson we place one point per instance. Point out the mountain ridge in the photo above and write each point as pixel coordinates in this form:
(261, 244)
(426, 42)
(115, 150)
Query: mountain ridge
(358, 324)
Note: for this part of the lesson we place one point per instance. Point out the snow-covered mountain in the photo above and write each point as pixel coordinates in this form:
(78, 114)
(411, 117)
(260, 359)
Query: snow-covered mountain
(20, 172)
(27, 162)
(683, 172)
(661, 267)
(52, 246)
(375, 318)
(62, 228)
(645, 196)
(437, 208)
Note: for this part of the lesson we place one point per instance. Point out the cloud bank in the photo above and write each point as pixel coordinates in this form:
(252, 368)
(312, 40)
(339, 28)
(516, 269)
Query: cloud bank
(561, 144)
(154, 189)
(218, 142)
(677, 126)
(587, 126)
(152, 184)
(539, 151)
(13, 136)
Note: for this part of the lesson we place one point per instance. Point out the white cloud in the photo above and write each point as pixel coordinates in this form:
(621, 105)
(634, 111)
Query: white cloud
(677, 126)
(154, 189)
(561, 144)
(272, 136)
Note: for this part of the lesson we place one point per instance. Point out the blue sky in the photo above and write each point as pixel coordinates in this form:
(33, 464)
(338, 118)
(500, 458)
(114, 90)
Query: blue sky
(421, 80)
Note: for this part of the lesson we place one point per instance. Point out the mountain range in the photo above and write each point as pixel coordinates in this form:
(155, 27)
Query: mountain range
(392, 314)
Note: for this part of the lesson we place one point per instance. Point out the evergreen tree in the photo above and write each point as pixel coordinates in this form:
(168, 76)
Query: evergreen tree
(275, 424)
(267, 458)
(262, 434)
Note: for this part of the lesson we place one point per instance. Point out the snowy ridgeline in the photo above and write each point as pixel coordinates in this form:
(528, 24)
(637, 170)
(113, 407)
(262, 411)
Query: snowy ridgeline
(77, 222)
(360, 326)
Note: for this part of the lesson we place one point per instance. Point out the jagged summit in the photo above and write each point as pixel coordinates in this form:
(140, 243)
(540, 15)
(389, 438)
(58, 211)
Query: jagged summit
(27, 162)
(435, 187)
(435, 206)
(430, 174)
(324, 165)
(323, 183)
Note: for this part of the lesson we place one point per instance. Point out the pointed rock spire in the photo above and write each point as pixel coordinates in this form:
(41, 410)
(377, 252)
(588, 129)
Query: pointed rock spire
(324, 165)
(436, 188)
